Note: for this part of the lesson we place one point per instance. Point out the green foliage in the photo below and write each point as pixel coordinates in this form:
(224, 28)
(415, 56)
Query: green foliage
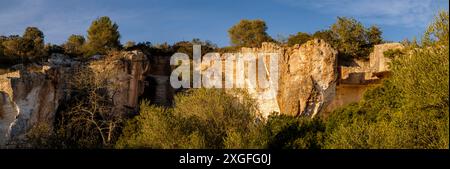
(52, 48)
(74, 45)
(129, 45)
(29, 47)
(410, 110)
(374, 36)
(201, 118)
(10, 46)
(352, 39)
(168, 50)
(103, 35)
(326, 35)
(32, 44)
(437, 32)
(299, 38)
(249, 33)
(393, 53)
(287, 132)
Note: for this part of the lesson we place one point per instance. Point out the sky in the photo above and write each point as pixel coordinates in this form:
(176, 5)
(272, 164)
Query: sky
(170, 21)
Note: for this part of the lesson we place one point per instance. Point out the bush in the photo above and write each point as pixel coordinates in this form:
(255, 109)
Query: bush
(299, 38)
(249, 33)
(103, 35)
(201, 118)
(410, 110)
(287, 132)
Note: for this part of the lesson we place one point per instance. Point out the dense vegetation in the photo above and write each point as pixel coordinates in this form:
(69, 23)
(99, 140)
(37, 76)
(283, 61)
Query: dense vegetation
(347, 35)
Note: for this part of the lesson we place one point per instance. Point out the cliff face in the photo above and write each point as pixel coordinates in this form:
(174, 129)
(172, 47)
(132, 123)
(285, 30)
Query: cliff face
(32, 95)
(305, 81)
(354, 80)
(125, 73)
(309, 82)
(308, 76)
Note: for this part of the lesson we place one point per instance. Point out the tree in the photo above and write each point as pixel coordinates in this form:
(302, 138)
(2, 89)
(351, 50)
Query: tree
(437, 32)
(374, 35)
(74, 45)
(103, 35)
(299, 38)
(33, 43)
(352, 39)
(89, 119)
(26, 48)
(326, 35)
(249, 33)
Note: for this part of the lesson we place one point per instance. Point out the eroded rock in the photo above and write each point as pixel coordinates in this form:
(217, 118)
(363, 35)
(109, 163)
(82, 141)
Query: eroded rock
(32, 95)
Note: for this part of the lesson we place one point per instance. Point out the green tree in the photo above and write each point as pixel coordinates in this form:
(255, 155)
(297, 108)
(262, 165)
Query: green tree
(352, 39)
(299, 38)
(74, 45)
(103, 35)
(350, 35)
(326, 35)
(437, 32)
(249, 33)
(374, 35)
(26, 48)
(33, 43)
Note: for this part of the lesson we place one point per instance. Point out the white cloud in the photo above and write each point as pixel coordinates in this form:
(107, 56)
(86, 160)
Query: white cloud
(406, 13)
(56, 21)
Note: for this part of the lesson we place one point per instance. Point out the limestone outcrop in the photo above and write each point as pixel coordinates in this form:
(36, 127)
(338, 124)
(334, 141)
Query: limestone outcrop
(305, 80)
(354, 80)
(31, 95)
(308, 75)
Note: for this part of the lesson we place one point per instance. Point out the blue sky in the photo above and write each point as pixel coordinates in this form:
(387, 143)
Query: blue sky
(171, 21)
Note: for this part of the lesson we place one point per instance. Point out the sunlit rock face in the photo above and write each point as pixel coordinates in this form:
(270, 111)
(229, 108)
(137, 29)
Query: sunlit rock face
(31, 96)
(310, 81)
(354, 80)
(305, 80)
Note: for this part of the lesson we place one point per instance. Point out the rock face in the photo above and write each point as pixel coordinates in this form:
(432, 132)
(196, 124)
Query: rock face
(309, 82)
(32, 95)
(353, 81)
(308, 76)
(126, 73)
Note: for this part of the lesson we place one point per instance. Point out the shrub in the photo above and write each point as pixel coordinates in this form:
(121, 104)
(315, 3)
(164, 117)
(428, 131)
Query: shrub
(201, 118)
